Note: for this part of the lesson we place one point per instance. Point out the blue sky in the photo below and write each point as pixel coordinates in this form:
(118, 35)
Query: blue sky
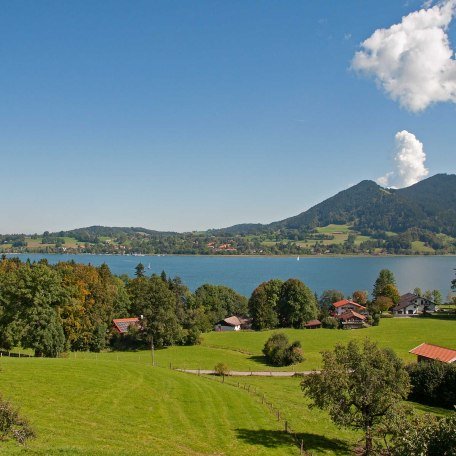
(180, 115)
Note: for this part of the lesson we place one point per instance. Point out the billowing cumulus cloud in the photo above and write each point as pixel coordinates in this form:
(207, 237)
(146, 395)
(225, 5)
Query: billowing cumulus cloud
(409, 161)
(413, 61)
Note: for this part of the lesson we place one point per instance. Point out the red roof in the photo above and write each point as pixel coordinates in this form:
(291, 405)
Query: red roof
(350, 314)
(446, 355)
(122, 325)
(344, 302)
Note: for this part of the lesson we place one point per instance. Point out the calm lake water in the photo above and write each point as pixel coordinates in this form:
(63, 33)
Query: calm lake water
(245, 273)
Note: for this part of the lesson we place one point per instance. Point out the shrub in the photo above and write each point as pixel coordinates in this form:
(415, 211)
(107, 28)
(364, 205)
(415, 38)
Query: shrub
(279, 352)
(221, 369)
(12, 425)
(433, 383)
(330, 323)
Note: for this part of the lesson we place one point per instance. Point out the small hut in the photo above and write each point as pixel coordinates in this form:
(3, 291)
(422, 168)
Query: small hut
(313, 324)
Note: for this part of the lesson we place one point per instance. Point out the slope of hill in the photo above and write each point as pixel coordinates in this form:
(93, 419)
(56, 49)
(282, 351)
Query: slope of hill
(429, 204)
(372, 219)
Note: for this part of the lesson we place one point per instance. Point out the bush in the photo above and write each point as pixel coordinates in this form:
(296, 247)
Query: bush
(433, 383)
(279, 352)
(12, 425)
(221, 369)
(330, 323)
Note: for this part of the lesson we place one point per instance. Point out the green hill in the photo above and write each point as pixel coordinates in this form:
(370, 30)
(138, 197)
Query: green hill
(104, 406)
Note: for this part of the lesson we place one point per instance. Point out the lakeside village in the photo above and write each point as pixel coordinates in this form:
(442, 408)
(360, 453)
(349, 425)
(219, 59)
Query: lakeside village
(52, 310)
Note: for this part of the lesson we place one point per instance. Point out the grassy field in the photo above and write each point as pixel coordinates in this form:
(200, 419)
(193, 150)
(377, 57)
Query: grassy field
(242, 351)
(117, 403)
(89, 407)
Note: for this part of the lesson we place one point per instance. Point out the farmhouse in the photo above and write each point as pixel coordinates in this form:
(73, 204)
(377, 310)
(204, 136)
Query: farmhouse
(351, 320)
(430, 352)
(412, 304)
(122, 325)
(343, 306)
(228, 324)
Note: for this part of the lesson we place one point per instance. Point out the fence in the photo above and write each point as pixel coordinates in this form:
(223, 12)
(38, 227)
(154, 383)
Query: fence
(260, 396)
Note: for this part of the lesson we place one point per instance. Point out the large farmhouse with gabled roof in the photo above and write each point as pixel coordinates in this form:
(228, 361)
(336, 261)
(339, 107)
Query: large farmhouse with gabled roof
(351, 319)
(412, 304)
(345, 305)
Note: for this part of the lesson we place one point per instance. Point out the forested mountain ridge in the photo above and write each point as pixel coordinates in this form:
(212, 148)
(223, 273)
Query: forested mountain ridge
(365, 218)
(429, 204)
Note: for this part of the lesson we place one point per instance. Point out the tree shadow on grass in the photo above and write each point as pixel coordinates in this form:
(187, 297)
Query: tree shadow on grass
(265, 437)
(322, 443)
(260, 360)
(275, 439)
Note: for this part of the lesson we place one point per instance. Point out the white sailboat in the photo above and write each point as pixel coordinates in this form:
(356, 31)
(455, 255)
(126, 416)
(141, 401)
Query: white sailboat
(297, 259)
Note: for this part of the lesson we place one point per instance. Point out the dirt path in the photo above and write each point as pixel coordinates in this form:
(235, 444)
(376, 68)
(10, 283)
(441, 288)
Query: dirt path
(248, 373)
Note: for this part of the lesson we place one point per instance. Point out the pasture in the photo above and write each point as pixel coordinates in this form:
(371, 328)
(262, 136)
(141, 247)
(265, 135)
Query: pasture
(101, 406)
(117, 403)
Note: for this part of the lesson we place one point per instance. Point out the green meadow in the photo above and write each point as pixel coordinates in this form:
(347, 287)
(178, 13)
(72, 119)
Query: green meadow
(118, 403)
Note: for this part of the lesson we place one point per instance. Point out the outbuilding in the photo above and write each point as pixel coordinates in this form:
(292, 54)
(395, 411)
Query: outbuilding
(122, 325)
(430, 352)
(313, 324)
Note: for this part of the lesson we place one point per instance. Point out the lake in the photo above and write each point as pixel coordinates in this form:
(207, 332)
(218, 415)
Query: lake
(245, 273)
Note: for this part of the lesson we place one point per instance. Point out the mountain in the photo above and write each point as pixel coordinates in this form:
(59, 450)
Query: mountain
(429, 204)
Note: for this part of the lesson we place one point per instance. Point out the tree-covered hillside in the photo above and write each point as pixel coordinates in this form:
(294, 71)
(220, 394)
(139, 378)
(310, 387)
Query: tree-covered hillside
(365, 218)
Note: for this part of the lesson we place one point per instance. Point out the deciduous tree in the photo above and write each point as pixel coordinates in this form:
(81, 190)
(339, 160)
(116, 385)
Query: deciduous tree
(297, 304)
(263, 305)
(358, 385)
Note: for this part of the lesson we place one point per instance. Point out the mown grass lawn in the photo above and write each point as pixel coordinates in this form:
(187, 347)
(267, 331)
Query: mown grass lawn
(117, 403)
(95, 407)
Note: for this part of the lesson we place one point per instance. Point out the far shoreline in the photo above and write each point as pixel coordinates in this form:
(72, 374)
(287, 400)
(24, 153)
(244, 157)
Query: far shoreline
(415, 255)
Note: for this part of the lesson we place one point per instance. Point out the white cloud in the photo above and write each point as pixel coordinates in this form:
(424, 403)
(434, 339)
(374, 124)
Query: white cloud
(409, 161)
(413, 61)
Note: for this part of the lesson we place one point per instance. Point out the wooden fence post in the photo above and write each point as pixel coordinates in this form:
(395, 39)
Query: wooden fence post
(286, 426)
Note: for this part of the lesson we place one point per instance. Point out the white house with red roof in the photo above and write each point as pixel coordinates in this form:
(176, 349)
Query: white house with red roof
(351, 320)
(346, 305)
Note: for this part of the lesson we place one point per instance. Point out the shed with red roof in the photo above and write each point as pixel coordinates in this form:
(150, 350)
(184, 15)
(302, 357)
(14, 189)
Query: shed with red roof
(122, 325)
(430, 352)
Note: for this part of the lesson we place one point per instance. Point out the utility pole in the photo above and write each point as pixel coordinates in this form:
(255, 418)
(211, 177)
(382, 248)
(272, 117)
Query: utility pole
(152, 349)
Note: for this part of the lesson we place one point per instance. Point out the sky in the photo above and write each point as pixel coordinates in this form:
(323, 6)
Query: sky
(178, 115)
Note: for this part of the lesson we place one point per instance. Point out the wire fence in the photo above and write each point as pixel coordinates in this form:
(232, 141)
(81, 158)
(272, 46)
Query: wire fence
(260, 396)
(147, 359)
